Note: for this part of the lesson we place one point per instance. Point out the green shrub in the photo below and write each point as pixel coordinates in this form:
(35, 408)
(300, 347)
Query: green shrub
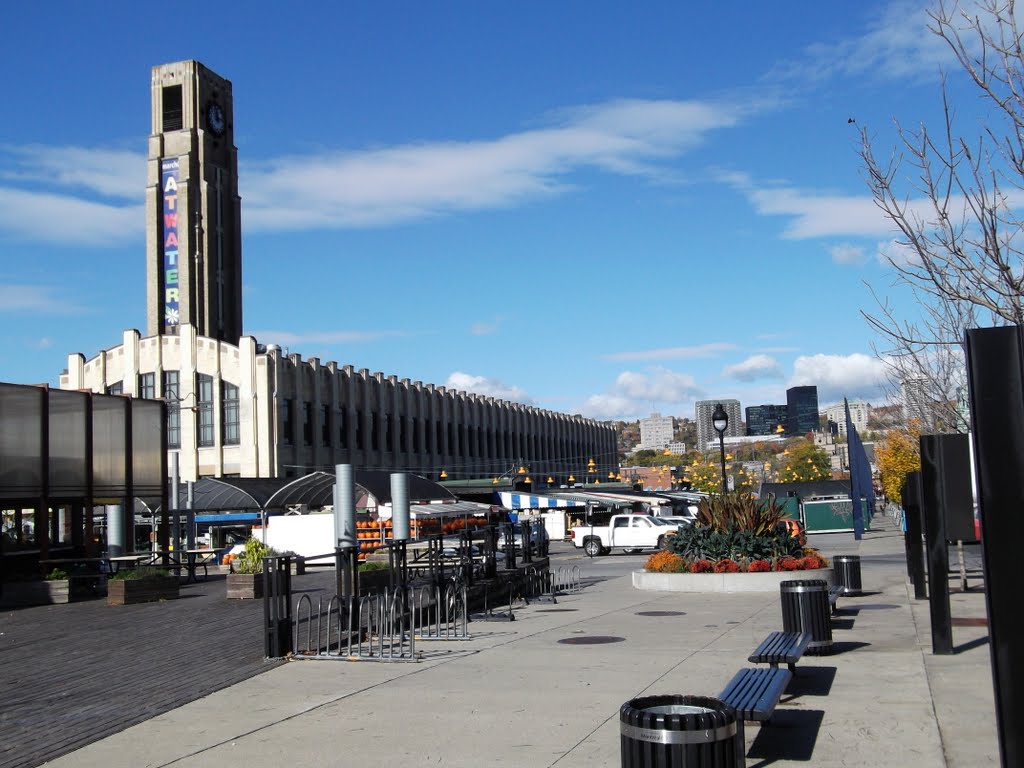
(56, 575)
(136, 574)
(699, 542)
(373, 565)
(251, 560)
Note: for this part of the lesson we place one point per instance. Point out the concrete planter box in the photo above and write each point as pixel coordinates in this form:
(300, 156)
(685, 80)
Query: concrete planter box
(245, 586)
(723, 582)
(148, 590)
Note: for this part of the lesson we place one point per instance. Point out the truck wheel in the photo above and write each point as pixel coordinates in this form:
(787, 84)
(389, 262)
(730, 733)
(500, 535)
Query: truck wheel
(661, 542)
(593, 547)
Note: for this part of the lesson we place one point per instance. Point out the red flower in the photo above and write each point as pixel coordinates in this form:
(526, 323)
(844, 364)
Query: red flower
(727, 566)
(812, 562)
(789, 564)
(701, 566)
(759, 566)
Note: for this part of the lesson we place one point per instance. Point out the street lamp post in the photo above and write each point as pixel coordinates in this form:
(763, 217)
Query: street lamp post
(720, 421)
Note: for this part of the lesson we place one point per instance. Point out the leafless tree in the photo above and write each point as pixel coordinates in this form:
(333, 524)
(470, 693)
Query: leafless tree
(955, 202)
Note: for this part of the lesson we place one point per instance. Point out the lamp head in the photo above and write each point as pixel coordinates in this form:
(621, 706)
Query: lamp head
(720, 419)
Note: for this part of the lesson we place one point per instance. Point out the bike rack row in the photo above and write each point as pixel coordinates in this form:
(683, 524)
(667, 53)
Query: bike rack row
(383, 627)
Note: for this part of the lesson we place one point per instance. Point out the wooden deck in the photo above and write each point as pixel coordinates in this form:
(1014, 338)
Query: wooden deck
(72, 674)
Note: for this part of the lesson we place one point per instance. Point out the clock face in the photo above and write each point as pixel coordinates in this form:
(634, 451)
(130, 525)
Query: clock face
(215, 118)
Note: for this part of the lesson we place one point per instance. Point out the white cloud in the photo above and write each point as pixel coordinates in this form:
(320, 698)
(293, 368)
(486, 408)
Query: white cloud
(754, 368)
(482, 385)
(893, 252)
(382, 186)
(485, 327)
(660, 385)
(672, 353)
(838, 376)
(845, 253)
(109, 172)
(52, 218)
(636, 394)
(608, 407)
(35, 299)
(896, 45)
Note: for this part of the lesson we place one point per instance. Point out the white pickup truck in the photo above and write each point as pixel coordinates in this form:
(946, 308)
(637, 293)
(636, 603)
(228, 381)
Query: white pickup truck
(628, 532)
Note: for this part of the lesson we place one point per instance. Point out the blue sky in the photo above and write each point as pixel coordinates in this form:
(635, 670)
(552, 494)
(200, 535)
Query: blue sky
(585, 206)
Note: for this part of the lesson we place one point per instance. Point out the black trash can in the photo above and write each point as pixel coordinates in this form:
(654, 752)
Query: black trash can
(669, 730)
(805, 609)
(847, 573)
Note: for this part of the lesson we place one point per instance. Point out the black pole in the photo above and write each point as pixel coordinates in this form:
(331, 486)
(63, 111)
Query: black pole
(932, 469)
(995, 367)
(721, 451)
(911, 497)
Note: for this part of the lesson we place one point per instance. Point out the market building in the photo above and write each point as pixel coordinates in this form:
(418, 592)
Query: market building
(238, 408)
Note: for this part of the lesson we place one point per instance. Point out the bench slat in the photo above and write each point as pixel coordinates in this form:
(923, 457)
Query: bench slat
(754, 692)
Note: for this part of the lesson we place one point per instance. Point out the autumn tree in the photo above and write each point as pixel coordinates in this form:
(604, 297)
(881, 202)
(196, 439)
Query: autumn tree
(897, 456)
(952, 199)
(802, 462)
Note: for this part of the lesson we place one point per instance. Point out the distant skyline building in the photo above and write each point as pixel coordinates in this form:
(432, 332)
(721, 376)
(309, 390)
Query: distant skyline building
(766, 419)
(706, 435)
(859, 415)
(802, 410)
(917, 402)
(656, 431)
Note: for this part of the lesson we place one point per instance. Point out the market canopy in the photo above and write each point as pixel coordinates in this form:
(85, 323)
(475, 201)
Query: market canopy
(223, 494)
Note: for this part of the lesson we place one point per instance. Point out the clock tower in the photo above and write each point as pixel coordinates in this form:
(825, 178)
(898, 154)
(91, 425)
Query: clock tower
(193, 211)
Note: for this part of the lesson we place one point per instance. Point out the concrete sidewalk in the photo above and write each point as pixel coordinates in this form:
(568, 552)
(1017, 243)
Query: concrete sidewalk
(535, 692)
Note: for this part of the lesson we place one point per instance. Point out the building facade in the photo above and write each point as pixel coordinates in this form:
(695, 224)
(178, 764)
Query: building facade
(766, 419)
(802, 410)
(248, 411)
(706, 435)
(656, 431)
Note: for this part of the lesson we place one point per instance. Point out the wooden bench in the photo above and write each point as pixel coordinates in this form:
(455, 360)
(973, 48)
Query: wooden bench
(781, 648)
(833, 596)
(755, 691)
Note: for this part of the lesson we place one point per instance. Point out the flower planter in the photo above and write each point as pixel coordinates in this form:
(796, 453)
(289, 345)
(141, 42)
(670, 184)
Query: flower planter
(147, 590)
(245, 586)
(723, 582)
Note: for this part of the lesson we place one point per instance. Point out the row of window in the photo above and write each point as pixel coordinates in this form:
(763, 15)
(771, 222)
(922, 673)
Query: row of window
(205, 425)
(408, 437)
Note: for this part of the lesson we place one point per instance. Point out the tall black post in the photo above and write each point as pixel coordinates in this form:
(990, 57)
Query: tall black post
(721, 453)
(932, 470)
(911, 496)
(995, 368)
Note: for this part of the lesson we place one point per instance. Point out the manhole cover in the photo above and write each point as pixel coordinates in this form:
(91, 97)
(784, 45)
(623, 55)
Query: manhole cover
(967, 622)
(592, 640)
(556, 610)
(661, 613)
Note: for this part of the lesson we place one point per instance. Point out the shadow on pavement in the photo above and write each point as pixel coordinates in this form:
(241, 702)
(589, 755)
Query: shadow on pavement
(811, 681)
(846, 647)
(970, 645)
(791, 735)
(842, 623)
